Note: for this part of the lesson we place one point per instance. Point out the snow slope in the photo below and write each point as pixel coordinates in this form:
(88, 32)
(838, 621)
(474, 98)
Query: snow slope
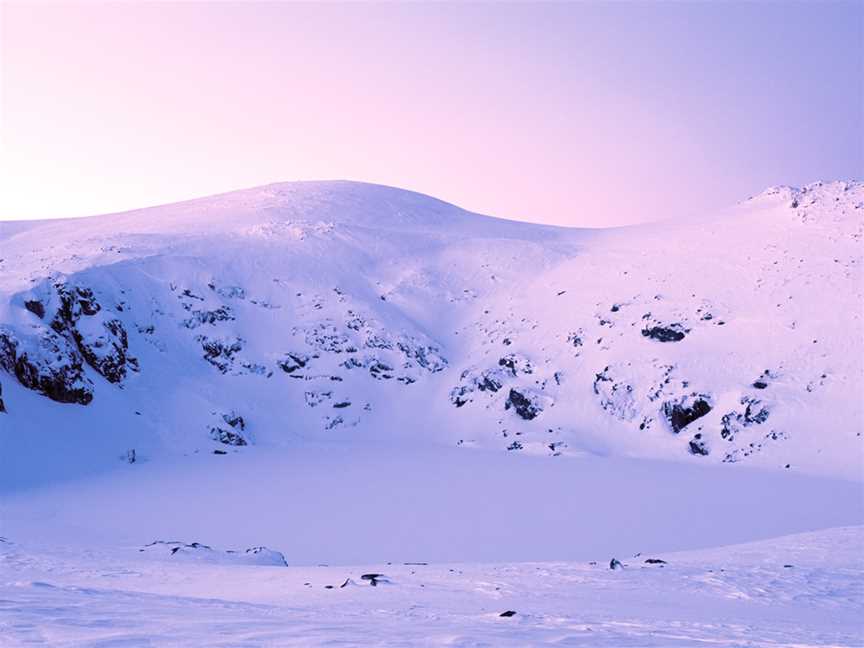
(392, 304)
(354, 374)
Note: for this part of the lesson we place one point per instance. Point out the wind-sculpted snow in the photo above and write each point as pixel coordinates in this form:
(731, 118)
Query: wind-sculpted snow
(344, 312)
(801, 590)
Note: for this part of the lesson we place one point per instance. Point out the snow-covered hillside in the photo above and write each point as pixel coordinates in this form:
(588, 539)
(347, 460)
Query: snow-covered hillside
(195, 395)
(345, 312)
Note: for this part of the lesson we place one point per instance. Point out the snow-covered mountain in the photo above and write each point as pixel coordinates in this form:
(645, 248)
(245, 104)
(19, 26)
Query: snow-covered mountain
(212, 412)
(343, 312)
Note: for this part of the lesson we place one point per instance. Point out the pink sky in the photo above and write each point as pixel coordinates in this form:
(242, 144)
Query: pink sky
(576, 114)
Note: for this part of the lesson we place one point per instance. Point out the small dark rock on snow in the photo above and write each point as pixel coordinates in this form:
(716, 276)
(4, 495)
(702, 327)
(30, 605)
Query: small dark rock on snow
(671, 333)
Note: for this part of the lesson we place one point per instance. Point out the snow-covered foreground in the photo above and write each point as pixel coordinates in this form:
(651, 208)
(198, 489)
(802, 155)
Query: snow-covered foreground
(457, 534)
(796, 591)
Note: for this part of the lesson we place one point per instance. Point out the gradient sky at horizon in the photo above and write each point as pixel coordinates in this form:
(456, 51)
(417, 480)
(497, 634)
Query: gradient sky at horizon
(583, 114)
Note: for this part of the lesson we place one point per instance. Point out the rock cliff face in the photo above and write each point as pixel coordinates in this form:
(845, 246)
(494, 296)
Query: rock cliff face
(46, 362)
(341, 310)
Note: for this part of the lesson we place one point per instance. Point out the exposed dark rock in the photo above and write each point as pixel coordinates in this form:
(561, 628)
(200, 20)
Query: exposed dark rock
(380, 371)
(352, 363)
(47, 363)
(220, 353)
(232, 436)
(292, 362)
(2, 406)
(698, 446)
(75, 301)
(515, 446)
(106, 349)
(101, 338)
(235, 420)
(188, 293)
(376, 341)
(489, 382)
(617, 397)
(762, 381)
(228, 437)
(508, 613)
(229, 292)
(425, 355)
(374, 579)
(671, 333)
(615, 564)
(526, 405)
(601, 377)
(655, 561)
(515, 362)
(327, 338)
(336, 421)
(342, 404)
(755, 413)
(687, 409)
(36, 307)
(458, 395)
(201, 317)
(315, 398)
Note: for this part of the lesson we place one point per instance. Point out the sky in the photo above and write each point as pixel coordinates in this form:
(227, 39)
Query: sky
(582, 114)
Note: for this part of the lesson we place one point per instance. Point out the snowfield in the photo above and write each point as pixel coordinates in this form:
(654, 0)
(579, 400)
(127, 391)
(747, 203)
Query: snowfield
(803, 590)
(194, 395)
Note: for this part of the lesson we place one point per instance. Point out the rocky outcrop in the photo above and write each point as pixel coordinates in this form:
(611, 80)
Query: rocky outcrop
(105, 346)
(100, 334)
(516, 363)
(36, 307)
(380, 370)
(292, 362)
(490, 380)
(426, 356)
(525, 403)
(201, 317)
(755, 412)
(682, 412)
(198, 552)
(671, 333)
(2, 405)
(220, 353)
(471, 381)
(75, 313)
(231, 433)
(47, 363)
(617, 397)
(698, 445)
